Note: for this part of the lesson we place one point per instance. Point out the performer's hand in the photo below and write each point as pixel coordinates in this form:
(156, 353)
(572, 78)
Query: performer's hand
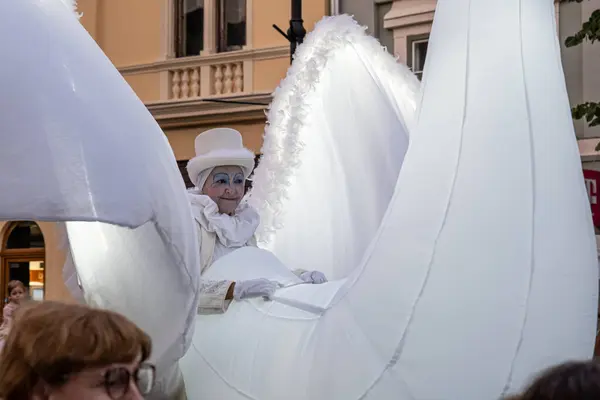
(254, 288)
(315, 277)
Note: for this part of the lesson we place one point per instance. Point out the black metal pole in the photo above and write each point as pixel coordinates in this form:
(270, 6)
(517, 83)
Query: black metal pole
(297, 9)
(296, 32)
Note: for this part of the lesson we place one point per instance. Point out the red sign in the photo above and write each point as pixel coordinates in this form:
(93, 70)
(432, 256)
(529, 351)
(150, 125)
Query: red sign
(592, 184)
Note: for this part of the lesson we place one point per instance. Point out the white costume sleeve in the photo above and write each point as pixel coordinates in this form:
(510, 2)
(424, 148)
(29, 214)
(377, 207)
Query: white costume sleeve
(212, 297)
(212, 292)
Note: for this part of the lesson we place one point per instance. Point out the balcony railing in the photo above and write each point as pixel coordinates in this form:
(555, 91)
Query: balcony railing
(175, 90)
(213, 75)
(220, 79)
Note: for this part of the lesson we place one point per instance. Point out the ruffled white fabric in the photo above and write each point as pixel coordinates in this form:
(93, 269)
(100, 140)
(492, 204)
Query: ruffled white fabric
(232, 230)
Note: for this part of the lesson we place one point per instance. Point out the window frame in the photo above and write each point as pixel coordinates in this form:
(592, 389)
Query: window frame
(411, 50)
(221, 27)
(8, 256)
(215, 35)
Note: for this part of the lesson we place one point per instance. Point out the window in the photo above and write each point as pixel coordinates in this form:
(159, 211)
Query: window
(417, 53)
(25, 235)
(231, 25)
(189, 16)
(196, 19)
(23, 258)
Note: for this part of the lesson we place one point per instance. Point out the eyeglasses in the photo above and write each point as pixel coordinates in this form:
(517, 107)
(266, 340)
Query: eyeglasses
(116, 380)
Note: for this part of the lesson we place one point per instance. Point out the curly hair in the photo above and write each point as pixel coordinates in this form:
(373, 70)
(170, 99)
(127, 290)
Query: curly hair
(568, 381)
(50, 341)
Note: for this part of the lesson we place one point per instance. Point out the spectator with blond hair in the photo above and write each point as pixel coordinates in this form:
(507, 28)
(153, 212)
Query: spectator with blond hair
(72, 352)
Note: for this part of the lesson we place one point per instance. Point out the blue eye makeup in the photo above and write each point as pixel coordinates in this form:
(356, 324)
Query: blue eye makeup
(223, 179)
(238, 179)
(220, 178)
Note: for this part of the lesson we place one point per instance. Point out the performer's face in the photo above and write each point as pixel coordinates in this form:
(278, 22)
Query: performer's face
(225, 186)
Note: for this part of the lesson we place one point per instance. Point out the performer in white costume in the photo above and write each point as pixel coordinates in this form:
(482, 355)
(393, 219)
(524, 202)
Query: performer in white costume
(483, 229)
(220, 170)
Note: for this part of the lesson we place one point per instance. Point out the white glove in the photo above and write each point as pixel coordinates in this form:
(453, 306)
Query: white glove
(254, 288)
(313, 277)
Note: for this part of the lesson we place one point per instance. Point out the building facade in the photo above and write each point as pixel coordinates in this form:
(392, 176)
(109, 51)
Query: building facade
(182, 58)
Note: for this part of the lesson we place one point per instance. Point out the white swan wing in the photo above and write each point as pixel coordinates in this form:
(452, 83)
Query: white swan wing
(496, 272)
(329, 166)
(79, 146)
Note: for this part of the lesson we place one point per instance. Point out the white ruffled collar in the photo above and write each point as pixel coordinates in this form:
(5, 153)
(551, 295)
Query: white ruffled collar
(232, 230)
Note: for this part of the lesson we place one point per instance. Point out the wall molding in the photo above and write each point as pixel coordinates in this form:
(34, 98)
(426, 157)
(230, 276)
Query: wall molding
(197, 112)
(267, 53)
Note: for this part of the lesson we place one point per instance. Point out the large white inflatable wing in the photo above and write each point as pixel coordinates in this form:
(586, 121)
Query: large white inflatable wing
(78, 145)
(336, 137)
(484, 265)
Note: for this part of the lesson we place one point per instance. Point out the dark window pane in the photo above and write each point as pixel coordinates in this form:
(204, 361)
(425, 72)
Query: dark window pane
(25, 235)
(420, 55)
(19, 271)
(189, 27)
(417, 53)
(194, 27)
(232, 24)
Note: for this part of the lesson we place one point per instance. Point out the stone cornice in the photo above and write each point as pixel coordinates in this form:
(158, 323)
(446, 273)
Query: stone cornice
(209, 59)
(406, 13)
(198, 112)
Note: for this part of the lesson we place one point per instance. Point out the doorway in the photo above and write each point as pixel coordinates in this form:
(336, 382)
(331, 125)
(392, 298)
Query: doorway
(23, 254)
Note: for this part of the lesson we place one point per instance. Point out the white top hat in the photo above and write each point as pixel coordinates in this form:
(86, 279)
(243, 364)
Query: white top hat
(220, 147)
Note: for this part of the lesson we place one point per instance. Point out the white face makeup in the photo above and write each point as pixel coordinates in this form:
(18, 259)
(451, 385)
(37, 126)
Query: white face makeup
(225, 186)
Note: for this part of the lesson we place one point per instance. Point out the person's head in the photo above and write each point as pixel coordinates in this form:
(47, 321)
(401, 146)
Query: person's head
(70, 351)
(568, 381)
(225, 186)
(16, 291)
(221, 167)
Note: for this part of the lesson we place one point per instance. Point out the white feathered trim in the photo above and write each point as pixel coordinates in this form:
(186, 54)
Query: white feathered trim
(282, 147)
(72, 4)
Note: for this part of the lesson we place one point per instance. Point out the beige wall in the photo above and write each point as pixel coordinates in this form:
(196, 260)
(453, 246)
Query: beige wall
(146, 86)
(269, 12)
(54, 288)
(134, 31)
(269, 73)
(128, 31)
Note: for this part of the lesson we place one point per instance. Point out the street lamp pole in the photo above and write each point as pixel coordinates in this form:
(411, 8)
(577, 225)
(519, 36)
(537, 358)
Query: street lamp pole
(296, 32)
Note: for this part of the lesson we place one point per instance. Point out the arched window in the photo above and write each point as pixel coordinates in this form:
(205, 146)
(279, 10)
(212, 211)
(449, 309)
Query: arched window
(23, 256)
